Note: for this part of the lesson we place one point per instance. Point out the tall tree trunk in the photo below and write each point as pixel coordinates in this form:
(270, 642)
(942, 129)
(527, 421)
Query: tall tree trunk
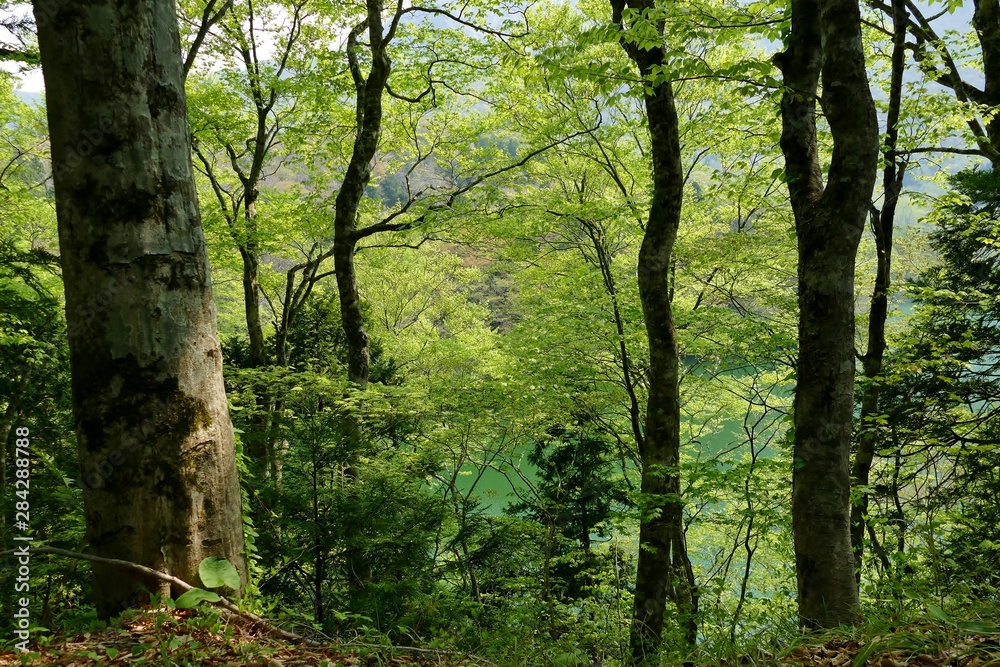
(368, 116)
(240, 33)
(826, 39)
(251, 303)
(369, 91)
(10, 414)
(259, 447)
(883, 222)
(259, 438)
(664, 570)
(155, 439)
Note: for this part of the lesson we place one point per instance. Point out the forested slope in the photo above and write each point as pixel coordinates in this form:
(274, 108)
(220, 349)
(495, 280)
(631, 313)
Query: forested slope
(570, 333)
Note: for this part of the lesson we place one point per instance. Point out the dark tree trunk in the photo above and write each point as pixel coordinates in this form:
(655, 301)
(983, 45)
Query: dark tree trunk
(155, 439)
(368, 116)
(352, 319)
(826, 39)
(369, 91)
(664, 570)
(883, 222)
(986, 21)
(251, 303)
(629, 382)
(10, 414)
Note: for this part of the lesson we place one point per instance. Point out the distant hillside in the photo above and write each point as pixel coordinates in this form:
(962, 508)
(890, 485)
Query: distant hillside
(28, 97)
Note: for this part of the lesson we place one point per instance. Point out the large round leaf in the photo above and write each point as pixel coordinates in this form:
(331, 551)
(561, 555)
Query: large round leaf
(194, 597)
(215, 572)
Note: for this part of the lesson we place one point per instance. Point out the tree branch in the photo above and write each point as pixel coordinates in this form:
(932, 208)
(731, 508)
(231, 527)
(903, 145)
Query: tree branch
(208, 19)
(183, 585)
(20, 55)
(385, 226)
(468, 24)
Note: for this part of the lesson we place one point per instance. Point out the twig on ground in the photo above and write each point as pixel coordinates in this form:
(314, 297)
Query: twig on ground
(231, 607)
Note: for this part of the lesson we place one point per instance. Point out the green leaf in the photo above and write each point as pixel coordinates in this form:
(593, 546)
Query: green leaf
(978, 627)
(216, 572)
(938, 614)
(194, 597)
(112, 652)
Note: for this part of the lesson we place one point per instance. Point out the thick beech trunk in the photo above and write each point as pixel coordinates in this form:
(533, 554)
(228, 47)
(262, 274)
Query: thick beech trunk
(826, 39)
(155, 439)
(664, 570)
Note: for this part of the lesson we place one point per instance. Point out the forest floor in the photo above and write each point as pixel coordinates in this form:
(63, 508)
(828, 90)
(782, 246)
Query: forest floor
(916, 645)
(190, 638)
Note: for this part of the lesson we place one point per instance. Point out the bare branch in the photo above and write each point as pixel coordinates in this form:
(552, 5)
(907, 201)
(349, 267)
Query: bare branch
(385, 226)
(208, 19)
(939, 149)
(468, 24)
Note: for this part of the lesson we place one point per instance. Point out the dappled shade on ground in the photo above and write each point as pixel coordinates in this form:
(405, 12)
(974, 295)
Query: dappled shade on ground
(916, 645)
(175, 637)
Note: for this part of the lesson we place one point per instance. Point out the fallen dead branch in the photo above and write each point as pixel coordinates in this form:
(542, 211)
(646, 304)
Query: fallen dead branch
(233, 608)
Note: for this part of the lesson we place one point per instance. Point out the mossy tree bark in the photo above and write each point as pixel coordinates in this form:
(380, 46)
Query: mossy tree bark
(825, 41)
(664, 569)
(155, 438)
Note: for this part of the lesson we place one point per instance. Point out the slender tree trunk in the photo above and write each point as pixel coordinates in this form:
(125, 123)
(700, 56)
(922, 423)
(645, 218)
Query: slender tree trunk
(596, 236)
(155, 439)
(251, 304)
(240, 33)
(10, 414)
(883, 222)
(664, 569)
(826, 38)
(369, 128)
(259, 446)
(369, 92)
